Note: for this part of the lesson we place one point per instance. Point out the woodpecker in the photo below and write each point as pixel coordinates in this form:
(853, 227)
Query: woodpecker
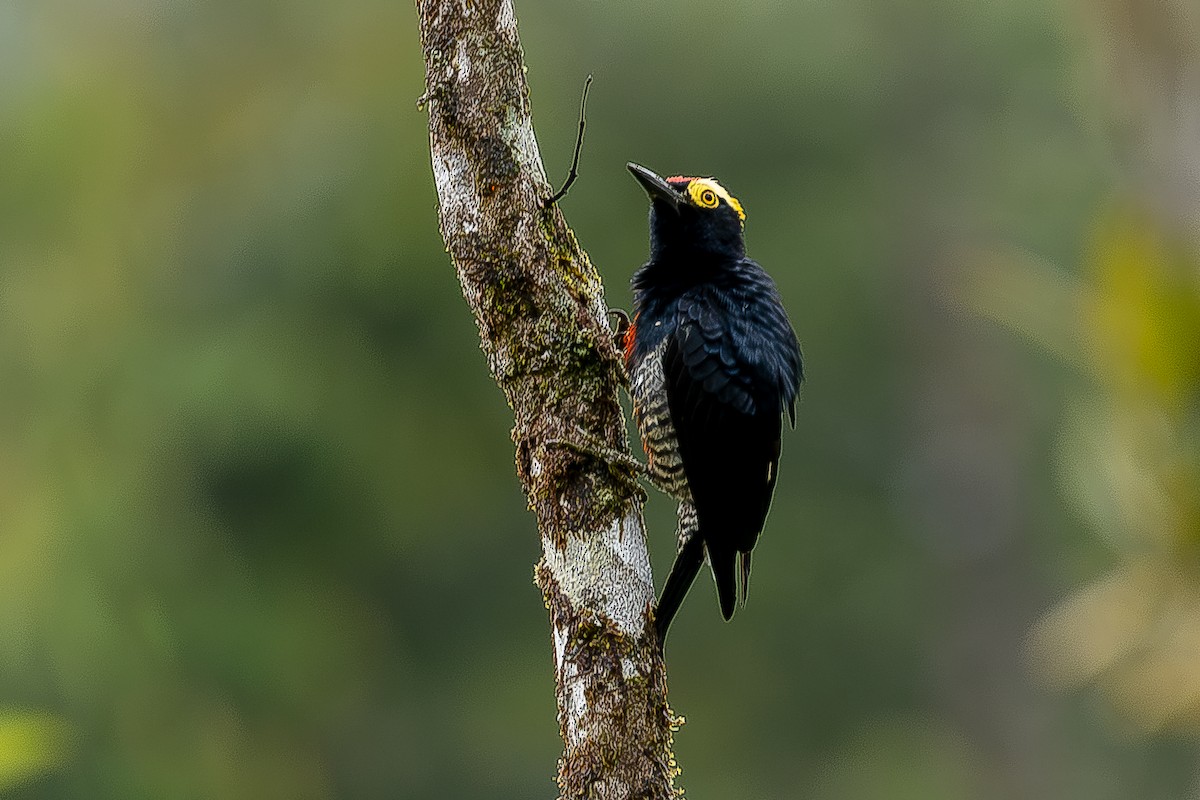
(714, 364)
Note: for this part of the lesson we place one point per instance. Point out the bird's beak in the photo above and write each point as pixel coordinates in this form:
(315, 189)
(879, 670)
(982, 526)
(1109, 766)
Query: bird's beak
(655, 186)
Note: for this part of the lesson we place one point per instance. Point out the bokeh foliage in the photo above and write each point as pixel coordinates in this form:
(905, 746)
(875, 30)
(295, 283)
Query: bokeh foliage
(1130, 456)
(261, 536)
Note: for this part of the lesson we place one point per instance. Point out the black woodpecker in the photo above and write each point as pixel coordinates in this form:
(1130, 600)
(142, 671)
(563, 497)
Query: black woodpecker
(713, 365)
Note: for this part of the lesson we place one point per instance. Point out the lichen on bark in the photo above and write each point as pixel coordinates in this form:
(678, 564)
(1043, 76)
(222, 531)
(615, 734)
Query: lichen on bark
(539, 305)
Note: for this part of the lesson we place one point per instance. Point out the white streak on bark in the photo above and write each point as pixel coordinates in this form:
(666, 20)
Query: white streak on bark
(463, 60)
(506, 19)
(456, 191)
(607, 571)
(517, 132)
(574, 689)
(560, 644)
(577, 729)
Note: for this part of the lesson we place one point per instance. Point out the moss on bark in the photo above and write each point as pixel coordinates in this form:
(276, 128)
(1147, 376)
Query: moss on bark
(539, 304)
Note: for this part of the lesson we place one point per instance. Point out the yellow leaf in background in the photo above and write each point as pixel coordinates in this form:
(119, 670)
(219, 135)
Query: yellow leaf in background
(1129, 457)
(1097, 626)
(1114, 464)
(1143, 318)
(1162, 685)
(31, 744)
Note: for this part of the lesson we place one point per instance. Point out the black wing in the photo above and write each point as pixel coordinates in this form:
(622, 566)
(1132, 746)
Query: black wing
(728, 422)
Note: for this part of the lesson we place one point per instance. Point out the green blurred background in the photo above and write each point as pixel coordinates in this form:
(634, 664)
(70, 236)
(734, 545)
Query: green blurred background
(260, 535)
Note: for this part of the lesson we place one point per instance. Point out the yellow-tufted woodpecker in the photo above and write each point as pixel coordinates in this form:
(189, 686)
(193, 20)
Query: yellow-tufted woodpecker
(713, 365)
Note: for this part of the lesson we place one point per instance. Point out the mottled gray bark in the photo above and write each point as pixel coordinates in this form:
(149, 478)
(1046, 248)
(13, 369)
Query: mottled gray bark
(543, 326)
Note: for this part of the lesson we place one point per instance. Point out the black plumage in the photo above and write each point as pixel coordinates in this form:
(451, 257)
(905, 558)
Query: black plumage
(714, 365)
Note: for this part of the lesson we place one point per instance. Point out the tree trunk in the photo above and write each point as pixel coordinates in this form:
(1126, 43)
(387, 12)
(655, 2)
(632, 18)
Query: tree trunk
(543, 326)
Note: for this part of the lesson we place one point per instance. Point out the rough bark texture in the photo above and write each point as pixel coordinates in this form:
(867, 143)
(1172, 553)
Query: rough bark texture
(543, 326)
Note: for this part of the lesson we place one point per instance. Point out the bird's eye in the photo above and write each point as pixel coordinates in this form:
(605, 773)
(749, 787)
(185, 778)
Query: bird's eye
(703, 195)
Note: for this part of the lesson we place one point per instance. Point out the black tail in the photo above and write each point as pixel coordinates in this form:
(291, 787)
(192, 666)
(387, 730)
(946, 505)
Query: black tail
(723, 564)
(683, 572)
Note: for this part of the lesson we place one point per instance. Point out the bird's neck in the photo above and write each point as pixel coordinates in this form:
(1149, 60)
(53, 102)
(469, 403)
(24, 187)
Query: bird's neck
(673, 270)
(709, 247)
(692, 256)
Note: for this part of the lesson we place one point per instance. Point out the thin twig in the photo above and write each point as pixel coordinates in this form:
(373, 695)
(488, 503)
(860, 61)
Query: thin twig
(574, 173)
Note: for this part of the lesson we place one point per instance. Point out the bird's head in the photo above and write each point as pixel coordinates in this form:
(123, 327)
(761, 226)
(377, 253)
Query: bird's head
(692, 216)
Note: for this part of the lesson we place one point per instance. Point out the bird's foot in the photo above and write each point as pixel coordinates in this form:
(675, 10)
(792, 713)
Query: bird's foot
(619, 463)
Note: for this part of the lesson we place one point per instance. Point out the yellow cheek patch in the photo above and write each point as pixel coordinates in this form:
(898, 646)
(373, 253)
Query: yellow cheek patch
(707, 193)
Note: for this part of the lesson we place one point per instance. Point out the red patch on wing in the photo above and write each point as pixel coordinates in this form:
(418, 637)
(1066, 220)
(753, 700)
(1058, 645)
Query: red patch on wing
(629, 336)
